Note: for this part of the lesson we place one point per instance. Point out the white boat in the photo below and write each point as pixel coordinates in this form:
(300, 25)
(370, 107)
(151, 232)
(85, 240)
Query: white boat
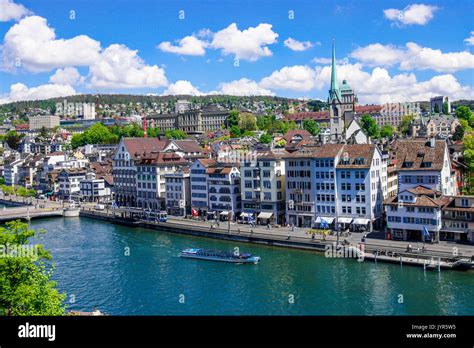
(223, 256)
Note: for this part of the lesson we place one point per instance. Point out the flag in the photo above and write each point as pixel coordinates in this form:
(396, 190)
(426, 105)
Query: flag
(194, 212)
(324, 223)
(426, 234)
(250, 217)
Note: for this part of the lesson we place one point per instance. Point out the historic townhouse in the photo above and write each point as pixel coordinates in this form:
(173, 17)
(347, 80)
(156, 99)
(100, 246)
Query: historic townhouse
(199, 185)
(178, 192)
(361, 181)
(223, 181)
(150, 178)
(128, 151)
(69, 182)
(263, 186)
(458, 219)
(341, 186)
(424, 162)
(412, 211)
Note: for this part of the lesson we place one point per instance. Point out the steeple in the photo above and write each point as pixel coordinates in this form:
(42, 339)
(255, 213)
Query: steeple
(334, 92)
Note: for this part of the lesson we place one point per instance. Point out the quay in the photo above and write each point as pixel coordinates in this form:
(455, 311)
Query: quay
(376, 251)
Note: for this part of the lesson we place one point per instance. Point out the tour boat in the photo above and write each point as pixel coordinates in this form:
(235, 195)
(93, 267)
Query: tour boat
(223, 256)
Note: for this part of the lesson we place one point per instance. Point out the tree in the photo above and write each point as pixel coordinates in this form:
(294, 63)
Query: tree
(445, 108)
(311, 126)
(153, 132)
(235, 132)
(405, 124)
(436, 109)
(468, 153)
(458, 133)
(13, 139)
(25, 280)
(247, 122)
(232, 119)
(2, 181)
(266, 138)
(464, 113)
(280, 143)
(369, 125)
(386, 131)
(176, 134)
(265, 122)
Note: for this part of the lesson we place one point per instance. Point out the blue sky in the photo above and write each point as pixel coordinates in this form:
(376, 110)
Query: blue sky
(388, 50)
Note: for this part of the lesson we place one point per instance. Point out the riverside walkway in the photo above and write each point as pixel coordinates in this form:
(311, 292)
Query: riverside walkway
(289, 237)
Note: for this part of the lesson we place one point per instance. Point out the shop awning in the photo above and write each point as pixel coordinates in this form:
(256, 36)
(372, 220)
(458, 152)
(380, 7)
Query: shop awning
(265, 215)
(329, 220)
(224, 213)
(361, 221)
(344, 220)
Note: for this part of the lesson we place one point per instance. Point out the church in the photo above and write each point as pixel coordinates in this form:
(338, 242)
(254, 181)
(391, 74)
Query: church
(342, 101)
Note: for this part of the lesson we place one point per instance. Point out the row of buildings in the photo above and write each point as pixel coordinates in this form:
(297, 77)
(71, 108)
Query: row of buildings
(401, 190)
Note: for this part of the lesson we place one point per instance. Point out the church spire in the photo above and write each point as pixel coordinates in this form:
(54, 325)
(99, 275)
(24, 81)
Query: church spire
(334, 92)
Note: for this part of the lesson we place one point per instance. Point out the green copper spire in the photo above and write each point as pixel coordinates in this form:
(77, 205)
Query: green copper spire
(334, 92)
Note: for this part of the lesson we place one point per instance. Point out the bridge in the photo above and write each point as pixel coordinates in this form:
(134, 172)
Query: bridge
(28, 212)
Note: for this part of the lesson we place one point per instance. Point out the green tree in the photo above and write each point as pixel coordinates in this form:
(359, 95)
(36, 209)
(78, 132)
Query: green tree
(280, 143)
(464, 113)
(176, 134)
(436, 109)
(2, 181)
(386, 131)
(266, 138)
(311, 126)
(247, 122)
(232, 119)
(235, 132)
(405, 124)
(468, 153)
(13, 139)
(153, 132)
(26, 287)
(369, 125)
(445, 108)
(77, 140)
(458, 133)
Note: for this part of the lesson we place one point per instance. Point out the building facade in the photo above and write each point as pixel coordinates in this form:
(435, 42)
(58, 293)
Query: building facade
(43, 121)
(178, 193)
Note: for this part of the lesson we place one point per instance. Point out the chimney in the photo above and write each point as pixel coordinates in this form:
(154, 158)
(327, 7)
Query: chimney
(432, 142)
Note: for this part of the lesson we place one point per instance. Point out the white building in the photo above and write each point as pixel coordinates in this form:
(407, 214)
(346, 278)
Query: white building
(94, 190)
(336, 183)
(263, 186)
(69, 182)
(43, 121)
(424, 162)
(413, 210)
(199, 187)
(11, 171)
(223, 180)
(178, 193)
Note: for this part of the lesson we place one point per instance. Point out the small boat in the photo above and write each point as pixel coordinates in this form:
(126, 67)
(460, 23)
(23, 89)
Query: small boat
(223, 256)
(462, 265)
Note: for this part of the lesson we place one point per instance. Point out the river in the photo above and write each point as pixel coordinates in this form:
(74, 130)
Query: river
(135, 271)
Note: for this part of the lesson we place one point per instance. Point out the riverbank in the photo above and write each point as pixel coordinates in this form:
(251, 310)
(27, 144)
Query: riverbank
(291, 238)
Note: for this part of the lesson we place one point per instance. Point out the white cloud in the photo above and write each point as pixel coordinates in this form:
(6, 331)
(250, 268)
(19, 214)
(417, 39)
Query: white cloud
(470, 39)
(378, 86)
(296, 45)
(243, 87)
(181, 87)
(11, 11)
(189, 45)
(67, 76)
(120, 67)
(418, 14)
(295, 78)
(249, 44)
(19, 91)
(414, 56)
(32, 44)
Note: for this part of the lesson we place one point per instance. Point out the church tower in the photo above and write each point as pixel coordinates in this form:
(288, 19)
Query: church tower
(336, 112)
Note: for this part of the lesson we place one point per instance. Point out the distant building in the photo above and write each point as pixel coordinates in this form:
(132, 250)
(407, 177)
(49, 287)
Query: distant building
(69, 181)
(92, 189)
(84, 110)
(435, 125)
(182, 106)
(436, 104)
(190, 121)
(43, 121)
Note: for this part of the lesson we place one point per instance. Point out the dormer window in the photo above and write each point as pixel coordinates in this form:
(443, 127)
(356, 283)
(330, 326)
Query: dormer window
(345, 161)
(359, 160)
(426, 164)
(407, 164)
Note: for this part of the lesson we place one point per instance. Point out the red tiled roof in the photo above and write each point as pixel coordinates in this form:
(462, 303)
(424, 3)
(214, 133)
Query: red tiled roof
(322, 116)
(362, 109)
(138, 147)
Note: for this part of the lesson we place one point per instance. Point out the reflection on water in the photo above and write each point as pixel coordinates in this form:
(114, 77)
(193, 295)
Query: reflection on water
(91, 263)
